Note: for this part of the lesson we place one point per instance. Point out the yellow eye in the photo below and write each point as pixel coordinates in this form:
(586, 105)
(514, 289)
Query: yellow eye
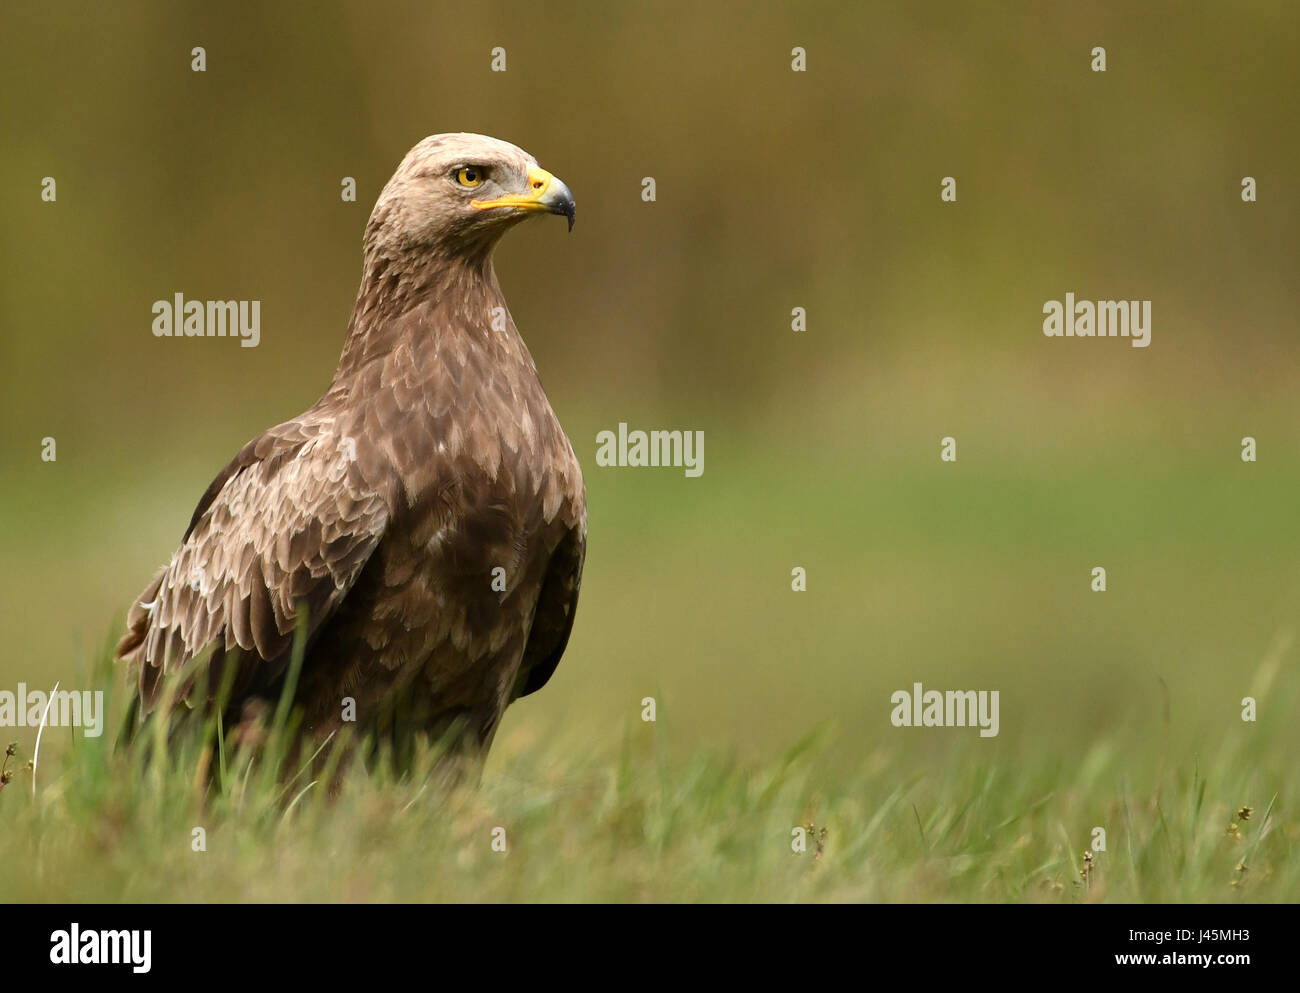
(470, 176)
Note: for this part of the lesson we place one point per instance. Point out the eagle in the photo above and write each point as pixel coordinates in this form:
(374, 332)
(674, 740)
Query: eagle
(422, 527)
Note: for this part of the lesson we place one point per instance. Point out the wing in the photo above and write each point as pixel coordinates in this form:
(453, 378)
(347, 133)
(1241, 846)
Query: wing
(556, 606)
(289, 522)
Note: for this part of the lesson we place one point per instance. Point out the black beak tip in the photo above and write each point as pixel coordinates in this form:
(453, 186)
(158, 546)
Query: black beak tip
(565, 207)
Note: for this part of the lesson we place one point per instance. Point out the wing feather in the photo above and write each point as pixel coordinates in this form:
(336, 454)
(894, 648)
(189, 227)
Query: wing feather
(557, 604)
(290, 522)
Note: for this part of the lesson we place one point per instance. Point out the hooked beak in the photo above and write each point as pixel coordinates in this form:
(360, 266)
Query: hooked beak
(546, 194)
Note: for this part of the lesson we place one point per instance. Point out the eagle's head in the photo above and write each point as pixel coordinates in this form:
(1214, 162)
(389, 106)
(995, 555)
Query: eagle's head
(455, 194)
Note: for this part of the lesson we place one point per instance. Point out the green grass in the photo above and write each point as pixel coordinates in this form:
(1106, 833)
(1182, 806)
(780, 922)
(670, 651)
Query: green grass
(644, 821)
(1118, 711)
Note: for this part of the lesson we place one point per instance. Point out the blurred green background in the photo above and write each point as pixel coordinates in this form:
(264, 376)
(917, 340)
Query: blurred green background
(775, 190)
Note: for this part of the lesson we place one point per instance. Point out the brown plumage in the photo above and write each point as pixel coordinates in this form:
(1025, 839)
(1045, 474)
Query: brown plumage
(433, 459)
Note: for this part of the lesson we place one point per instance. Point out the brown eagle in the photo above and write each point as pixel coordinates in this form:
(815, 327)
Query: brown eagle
(427, 515)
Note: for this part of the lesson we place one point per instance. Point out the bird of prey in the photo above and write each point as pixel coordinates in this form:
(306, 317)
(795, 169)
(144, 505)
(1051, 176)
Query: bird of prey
(427, 514)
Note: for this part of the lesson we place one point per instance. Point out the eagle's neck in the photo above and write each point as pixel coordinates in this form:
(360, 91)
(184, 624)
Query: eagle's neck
(401, 302)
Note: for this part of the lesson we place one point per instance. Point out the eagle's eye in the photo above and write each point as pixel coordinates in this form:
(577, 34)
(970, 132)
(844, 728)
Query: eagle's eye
(469, 176)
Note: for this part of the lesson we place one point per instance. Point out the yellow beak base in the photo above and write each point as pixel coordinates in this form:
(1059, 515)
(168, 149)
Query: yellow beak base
(546, 194)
